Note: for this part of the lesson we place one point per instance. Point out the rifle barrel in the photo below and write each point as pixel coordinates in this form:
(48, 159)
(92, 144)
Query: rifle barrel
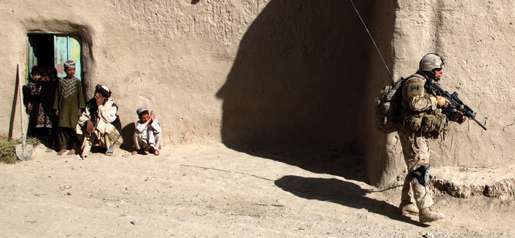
(456, 102)
(479, 123)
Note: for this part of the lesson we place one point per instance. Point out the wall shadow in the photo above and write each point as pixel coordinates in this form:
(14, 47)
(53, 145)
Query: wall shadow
(298, 83)
(341, 192)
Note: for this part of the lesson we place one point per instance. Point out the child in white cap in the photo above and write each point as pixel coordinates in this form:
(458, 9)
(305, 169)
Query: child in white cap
(147, 132)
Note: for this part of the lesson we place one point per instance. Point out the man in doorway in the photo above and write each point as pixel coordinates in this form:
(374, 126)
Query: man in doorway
(69, 101)
(98, 122)
(423, 119)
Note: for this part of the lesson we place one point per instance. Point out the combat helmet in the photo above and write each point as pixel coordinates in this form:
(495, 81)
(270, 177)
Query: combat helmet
(430, 61)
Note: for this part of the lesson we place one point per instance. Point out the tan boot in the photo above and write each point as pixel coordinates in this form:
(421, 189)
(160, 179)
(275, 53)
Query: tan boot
(408, 209)
(427, 215)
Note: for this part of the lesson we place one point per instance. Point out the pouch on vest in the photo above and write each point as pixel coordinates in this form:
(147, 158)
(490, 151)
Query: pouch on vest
(413, 122)
(428, 123)
(433, 123)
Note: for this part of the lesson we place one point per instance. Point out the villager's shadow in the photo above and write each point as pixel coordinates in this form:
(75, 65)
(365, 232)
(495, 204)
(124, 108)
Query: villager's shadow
(127, 135)
(298, 85)
(341, 192)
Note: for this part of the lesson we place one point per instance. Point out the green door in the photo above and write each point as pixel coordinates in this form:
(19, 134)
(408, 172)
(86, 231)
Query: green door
(66, 48)
(32, 60)
(53, 50)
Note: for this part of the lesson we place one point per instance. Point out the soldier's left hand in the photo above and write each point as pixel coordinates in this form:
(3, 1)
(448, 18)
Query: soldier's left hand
(441, 101)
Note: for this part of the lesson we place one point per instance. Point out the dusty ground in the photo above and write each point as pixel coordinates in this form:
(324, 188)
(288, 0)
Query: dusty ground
(211, 191)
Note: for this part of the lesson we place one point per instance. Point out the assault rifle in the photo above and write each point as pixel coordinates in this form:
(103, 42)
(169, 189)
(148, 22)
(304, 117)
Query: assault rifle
(455, 104)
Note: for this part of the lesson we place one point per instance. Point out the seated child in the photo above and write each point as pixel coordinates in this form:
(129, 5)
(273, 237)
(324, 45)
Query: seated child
(147, 133)
(97, 122)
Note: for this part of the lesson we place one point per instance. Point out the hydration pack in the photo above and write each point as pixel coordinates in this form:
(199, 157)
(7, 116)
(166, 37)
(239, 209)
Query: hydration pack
(388, 107)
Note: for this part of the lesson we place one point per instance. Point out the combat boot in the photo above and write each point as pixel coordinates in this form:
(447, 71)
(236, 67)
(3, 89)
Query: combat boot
(427, 215)
(408, 209)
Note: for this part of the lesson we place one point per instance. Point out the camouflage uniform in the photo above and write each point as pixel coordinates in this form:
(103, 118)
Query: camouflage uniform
(421, 120)
(415, 146)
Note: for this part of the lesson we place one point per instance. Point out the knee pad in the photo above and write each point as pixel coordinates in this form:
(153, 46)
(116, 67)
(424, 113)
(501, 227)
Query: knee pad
(422, 174)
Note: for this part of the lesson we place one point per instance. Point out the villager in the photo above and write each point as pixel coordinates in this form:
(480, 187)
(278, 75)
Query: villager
(50, 92)
(68, 103)
(422, 119)
(98, 122)
(38, 96)
(147, 132)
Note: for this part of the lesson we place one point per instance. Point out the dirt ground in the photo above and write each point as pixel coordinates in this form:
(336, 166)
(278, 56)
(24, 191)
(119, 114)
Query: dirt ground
(212, 191)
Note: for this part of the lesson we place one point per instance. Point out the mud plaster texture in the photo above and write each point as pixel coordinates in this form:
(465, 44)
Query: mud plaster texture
(468, 182)
(476, 40)
(281, 72)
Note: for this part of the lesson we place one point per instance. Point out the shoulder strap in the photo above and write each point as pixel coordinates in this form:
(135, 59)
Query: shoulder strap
(394, 88)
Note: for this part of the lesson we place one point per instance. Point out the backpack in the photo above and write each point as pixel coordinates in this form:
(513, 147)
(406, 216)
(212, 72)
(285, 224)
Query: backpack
(388, 107)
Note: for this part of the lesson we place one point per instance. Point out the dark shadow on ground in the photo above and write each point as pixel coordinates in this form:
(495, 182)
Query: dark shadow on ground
(296, 90)
(127, 134)
(332, 160)
(341, 192)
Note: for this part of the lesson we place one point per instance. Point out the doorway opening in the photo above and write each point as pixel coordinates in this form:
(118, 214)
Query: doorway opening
(46, 55)
(52, 50)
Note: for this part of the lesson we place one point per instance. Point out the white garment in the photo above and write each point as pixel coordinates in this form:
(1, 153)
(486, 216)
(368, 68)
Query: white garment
(106, 114)
(148, 132)
(105, 133)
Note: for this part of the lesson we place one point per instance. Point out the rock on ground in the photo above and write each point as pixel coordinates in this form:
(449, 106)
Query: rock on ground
(467, 182)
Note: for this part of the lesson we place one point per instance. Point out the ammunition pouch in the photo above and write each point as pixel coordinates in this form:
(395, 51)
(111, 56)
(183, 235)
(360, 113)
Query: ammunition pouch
(427, 123)
(413, 122)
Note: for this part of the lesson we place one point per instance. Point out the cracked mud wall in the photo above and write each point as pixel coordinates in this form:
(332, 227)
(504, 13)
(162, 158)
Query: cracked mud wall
(299, 78)
(170, 55)
(240, 72)
(476, 40)
(277, 72)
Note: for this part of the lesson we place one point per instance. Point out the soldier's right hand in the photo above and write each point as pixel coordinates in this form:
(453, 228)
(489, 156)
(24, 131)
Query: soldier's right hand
(441, 101)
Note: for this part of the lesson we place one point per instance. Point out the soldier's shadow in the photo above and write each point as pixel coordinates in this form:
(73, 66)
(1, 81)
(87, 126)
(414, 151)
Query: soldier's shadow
(341, 192)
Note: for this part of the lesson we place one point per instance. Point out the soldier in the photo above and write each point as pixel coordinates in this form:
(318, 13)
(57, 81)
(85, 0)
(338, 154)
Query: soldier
(422, 119)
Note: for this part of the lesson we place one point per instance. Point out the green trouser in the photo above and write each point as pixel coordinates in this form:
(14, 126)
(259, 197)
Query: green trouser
(67, 139)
